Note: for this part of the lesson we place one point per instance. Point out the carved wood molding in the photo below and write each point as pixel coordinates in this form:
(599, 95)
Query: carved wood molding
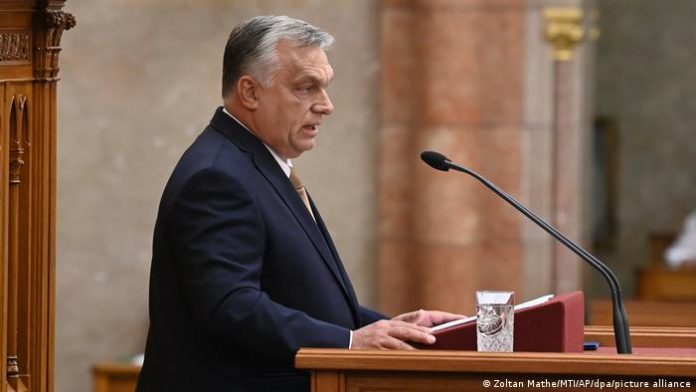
(47, 44)
(15, 47)
(30, 37)
(19, 122)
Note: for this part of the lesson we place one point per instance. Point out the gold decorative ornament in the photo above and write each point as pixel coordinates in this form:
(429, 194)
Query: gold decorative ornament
(564, 29)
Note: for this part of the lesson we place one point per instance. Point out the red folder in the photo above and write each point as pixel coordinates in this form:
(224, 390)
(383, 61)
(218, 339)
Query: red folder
(553, 326)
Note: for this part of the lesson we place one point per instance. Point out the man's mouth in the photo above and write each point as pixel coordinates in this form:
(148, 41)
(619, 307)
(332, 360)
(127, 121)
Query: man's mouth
(311, 129)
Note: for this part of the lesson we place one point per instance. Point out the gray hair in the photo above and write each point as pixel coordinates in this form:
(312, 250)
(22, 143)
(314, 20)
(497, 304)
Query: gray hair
(252, 47)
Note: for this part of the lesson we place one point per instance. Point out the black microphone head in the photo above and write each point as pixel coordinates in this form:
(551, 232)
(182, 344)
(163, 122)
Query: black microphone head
(435, 160)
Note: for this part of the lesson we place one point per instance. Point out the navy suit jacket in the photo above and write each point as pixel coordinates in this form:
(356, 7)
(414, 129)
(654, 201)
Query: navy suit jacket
(241, 274)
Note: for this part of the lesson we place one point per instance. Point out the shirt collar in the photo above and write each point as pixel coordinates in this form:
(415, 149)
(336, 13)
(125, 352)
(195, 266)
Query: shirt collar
(284, 164)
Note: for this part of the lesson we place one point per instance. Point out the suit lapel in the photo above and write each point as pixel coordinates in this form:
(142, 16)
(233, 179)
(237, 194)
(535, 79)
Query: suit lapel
(269, 168)
(266, 164)
(339, 264)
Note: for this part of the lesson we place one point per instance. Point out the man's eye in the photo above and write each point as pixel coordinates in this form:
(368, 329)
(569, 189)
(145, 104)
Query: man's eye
(308, 88)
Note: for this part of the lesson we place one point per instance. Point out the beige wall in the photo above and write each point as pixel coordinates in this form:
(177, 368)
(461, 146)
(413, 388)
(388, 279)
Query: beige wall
(139, 81)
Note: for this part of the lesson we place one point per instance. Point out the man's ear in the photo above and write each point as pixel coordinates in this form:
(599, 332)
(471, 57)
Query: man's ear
(247, 92)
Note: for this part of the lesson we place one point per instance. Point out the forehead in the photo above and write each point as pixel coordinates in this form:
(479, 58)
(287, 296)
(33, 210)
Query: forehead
(304, 60)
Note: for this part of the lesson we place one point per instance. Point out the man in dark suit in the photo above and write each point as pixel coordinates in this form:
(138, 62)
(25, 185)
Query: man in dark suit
(244, 271)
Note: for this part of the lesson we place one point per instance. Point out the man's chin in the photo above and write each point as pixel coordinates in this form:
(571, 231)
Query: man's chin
(305, 146)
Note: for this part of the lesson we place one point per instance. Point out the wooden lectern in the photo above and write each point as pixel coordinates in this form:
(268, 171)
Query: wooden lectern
(671, 362)
(345, 370)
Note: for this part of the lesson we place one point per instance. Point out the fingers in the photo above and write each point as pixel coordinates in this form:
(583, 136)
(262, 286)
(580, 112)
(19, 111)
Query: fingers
(391, 334)
(415, 317)
(428, 318)
(395, 344)
(438, 317)
(411, 332)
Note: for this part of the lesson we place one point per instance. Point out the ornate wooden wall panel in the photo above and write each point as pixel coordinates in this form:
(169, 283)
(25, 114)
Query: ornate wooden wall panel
(21, 268)
(30, 33)
(4, 201)
(20, 271)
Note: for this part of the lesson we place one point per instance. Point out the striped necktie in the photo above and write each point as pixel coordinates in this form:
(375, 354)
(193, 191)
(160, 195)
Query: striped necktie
(301, 191)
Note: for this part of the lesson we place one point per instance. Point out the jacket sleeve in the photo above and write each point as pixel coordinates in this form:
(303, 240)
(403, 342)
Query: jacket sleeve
(220, 242)
(369, 316)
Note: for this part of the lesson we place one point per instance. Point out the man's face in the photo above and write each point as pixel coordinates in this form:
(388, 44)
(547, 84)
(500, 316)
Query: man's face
(291, 109)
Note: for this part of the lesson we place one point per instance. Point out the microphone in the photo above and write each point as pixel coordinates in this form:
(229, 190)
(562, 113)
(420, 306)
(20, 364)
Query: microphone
(621, 331)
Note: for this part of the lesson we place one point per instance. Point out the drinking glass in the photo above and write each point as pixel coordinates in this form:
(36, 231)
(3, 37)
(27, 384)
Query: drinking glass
(495, 320)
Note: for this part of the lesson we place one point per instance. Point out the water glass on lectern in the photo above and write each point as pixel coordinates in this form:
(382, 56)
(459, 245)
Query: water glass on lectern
(495, 320)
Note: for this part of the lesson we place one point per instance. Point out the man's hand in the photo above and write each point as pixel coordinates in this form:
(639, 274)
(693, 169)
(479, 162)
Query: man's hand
(391, 334)
(428, 318)
(407, 327)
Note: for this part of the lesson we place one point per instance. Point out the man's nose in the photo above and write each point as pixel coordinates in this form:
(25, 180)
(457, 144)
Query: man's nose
(324, 105)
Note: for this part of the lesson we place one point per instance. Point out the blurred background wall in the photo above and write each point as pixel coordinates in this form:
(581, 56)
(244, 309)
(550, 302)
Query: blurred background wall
(141, 79)
(646, 86)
